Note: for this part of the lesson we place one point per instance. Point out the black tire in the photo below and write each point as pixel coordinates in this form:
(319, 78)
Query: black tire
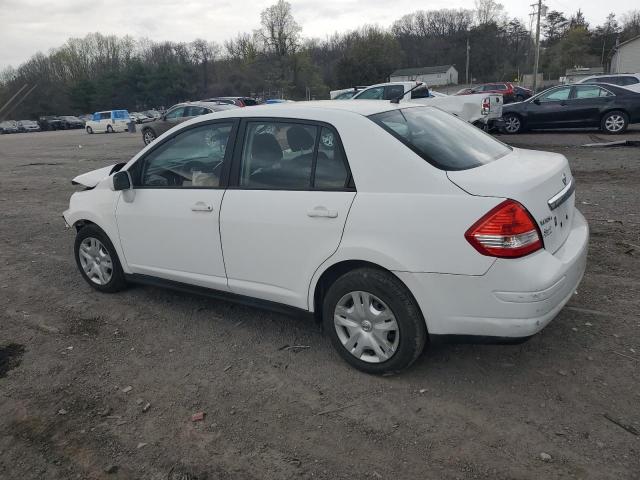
(109, 129)
(148, 135)
(412, 330)
(614, 122)
(89, 130)
(512, 123)
(117, 281)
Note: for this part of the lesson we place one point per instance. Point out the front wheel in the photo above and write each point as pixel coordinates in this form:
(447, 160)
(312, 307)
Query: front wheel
(373, 321)
(98, 261)
(148, 136)
(614, 122)
(512, 123)
(89, 130)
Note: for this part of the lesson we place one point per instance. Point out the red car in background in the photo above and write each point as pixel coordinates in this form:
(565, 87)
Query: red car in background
(510, 93)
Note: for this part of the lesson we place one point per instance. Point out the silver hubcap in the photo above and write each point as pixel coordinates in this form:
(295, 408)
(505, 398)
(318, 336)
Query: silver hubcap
(614, 123)
(95, 261)
(149, 137)
(366, 327)
(512, 124)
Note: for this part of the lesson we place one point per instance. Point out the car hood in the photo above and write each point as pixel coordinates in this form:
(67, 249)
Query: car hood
(92, 178)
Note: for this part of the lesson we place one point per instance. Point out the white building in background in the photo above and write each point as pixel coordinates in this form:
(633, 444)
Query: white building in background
(432, 76)
(626, 58)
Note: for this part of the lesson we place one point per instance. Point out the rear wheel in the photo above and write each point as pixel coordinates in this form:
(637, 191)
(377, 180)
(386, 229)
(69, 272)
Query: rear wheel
(98, 261)
(109, 129)
(148, 136)
(373, 321)
(89, 130)
(614, 122)
(512, 123)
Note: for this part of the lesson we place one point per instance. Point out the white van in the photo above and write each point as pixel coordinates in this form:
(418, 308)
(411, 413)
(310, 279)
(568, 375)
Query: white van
(109, 121)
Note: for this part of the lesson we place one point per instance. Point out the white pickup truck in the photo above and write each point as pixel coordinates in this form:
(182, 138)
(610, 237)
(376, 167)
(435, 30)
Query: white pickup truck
(480, 109)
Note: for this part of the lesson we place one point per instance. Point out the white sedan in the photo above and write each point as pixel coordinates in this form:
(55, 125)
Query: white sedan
(393, 224)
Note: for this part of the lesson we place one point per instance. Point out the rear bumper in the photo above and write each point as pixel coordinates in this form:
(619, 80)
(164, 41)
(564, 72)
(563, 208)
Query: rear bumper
(515, 299)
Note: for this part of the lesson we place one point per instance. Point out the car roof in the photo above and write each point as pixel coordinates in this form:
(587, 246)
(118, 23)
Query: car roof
(317, 108)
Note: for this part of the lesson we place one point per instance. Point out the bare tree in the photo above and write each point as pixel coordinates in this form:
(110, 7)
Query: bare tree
(279, 31)
(489, 11)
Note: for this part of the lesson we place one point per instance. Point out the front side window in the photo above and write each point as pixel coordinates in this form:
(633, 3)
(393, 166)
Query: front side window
(556, 95)
(375, 93)
(442, 139)
(624, 81)
(193, 158)
(175, 113)
(278, 155)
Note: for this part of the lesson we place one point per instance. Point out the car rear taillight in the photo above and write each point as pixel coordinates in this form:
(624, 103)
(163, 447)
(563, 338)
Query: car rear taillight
(486, 106)
(507, 231)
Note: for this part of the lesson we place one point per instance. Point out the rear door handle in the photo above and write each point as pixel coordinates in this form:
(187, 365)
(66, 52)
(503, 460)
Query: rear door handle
(322, 212)
(201, 207)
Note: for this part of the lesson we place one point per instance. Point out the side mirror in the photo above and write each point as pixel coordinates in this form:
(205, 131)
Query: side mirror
(536, 101)
(121, 181)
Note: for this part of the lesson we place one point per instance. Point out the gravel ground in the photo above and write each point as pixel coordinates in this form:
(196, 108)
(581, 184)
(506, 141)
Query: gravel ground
(104, 386)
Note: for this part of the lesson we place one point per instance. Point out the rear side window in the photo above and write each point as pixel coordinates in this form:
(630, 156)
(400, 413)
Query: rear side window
(249, 102)
(442, 139)
(393, 91)
(331, 169)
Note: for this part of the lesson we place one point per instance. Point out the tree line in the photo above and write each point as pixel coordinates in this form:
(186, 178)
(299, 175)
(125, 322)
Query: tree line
(103, 71)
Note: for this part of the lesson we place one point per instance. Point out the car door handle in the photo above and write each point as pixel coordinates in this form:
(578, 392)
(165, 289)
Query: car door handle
(322, 212)
(201, 207)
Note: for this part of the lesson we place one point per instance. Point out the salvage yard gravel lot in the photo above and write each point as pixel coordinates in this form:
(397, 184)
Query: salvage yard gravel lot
(105, 386)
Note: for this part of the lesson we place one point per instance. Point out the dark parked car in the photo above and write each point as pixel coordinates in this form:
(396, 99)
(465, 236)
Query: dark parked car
(178, 114)
(70, 122)
(603, 106)
(51, 123)
(237, 101)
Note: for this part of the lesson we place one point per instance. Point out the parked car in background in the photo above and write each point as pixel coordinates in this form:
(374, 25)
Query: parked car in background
(504, 88)
(28, 126)
(152, 114)
(346, 93)
(140, 117)
(9, 126)
(71, 122)
(391, 223)
(627, 80)
(109, 121)
(521, 93)
(608, 107)
(237, 101)
(481, 110)
(50, 122)
(178, 114)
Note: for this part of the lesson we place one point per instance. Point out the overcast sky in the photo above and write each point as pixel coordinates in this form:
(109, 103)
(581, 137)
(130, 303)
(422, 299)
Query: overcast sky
(28, 26)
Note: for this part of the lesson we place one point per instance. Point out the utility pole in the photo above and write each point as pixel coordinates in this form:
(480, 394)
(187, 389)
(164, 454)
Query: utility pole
(537, 60)
(466, 70)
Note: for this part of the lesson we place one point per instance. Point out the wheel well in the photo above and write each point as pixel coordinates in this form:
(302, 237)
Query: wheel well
(82, 223)
(614, 110)
(330, 275)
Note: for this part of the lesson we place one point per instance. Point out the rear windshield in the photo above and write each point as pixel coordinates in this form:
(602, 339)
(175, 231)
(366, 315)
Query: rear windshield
(442, 139)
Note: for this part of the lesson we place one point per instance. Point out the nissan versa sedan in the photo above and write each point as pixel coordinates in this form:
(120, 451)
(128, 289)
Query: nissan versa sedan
(608, 107)
(392, 224)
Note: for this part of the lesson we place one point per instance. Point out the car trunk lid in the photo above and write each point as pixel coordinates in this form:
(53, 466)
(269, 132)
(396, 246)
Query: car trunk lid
(541, 181)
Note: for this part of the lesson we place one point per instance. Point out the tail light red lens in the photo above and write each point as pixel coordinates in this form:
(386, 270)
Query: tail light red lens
(507, 231)
(486, 106)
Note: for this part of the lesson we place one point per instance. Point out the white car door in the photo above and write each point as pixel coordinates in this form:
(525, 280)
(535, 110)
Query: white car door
(285, 209)
(170, 229)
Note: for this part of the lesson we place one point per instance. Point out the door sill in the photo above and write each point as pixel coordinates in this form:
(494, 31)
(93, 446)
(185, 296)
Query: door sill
(218, 294)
